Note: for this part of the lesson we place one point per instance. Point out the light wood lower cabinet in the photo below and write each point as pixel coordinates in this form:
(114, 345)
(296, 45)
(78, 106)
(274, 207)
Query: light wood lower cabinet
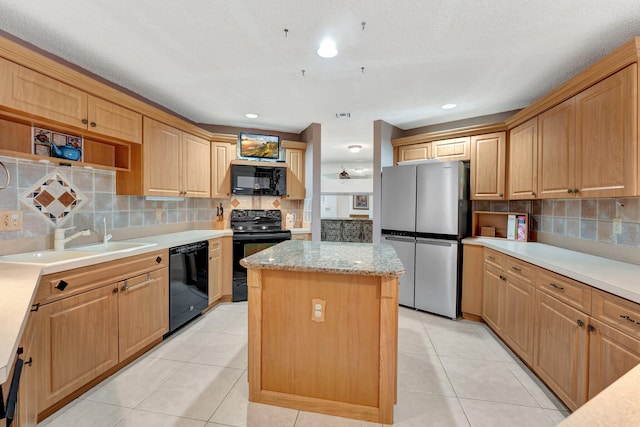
(493, 293)
(472, 271)
(562, 349)
(518, 317)
(143, 311)
(215, 270)
(77, 340)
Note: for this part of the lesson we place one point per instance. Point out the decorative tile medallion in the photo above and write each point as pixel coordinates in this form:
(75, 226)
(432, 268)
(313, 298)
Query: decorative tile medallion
(55, 198)
(276, 203)
(235, 203)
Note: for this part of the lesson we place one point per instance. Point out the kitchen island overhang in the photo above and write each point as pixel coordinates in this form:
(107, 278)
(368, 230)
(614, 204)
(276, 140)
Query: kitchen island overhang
(323, 328)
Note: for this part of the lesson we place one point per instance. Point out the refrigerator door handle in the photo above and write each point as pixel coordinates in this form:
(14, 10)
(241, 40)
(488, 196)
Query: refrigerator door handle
(400, 239)
(436, 242)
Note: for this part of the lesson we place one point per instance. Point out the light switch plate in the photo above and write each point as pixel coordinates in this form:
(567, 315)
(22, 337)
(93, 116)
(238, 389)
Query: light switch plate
(617, 225)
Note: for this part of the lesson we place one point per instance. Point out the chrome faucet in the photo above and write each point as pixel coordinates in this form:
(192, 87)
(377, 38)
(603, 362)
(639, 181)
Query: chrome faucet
(59, 240)
(106, 237)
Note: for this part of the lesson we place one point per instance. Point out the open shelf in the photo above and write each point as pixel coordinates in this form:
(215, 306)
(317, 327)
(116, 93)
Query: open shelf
(494, 224)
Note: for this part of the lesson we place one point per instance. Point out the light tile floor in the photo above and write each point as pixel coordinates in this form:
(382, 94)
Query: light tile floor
(450, 373)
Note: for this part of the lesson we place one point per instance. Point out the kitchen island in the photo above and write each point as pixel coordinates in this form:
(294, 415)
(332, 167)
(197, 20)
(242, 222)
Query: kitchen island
(323, 328)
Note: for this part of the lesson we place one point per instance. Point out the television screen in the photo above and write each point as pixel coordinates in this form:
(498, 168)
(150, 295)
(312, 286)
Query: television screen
(256, 146)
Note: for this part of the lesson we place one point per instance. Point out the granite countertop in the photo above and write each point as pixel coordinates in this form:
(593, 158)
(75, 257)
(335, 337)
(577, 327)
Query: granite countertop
(616, 277)
(328, 257)
(18, 284)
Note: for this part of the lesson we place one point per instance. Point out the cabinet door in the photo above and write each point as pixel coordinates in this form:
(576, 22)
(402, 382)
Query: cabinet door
(523, 161)
(561, 349)
(41, 96)
(518, 317)
(27, 412)
(606, 141)
(162, 148)
(611, 355)
(472, 271)
(221, 155)
(493, 298)
(78, 337)
(196, 171)
(295, 174)
(487, 166)
(420, 151)
(215, 270)
(143, 311)
(451, 149)
(110, 119)
(556, 133)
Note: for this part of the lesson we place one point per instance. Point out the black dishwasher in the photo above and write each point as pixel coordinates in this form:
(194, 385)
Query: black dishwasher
(188, 282)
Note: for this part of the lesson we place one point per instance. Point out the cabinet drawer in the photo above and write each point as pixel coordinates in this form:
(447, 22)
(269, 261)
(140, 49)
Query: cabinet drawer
(215, 245)
(520, 269)
(567, 290)
(618, 312)
(494, 258)
(55, 286)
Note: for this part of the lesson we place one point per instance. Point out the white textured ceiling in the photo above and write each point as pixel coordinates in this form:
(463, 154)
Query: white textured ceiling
(212, 61)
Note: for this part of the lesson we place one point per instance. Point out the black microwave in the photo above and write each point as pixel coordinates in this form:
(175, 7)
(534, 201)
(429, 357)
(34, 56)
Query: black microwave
(259, 180)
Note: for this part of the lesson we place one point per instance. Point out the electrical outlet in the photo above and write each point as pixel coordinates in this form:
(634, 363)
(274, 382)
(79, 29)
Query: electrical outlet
(158, 214)
(617, 225)
(10, 220)
(318, 307)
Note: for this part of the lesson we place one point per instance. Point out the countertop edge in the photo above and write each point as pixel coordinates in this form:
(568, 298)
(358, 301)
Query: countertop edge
(29, 275)
(259, 266)
(611, 276)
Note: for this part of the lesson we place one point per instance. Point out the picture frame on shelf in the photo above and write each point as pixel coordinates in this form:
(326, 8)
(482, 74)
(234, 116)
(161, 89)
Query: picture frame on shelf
(50, 143)
(361, 201)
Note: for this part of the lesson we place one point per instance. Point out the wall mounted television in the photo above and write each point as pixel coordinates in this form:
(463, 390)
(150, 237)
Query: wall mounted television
(254, 146)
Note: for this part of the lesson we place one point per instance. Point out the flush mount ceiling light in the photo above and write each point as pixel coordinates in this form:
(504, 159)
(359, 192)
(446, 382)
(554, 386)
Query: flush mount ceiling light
(327, 49)
(251, 116)
(354, 148)
(449, 106)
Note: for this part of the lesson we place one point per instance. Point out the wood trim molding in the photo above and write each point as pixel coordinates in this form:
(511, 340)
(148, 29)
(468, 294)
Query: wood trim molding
(450, 133)
(620, 58)
(33, 60)
(294, 144)
(223, 137)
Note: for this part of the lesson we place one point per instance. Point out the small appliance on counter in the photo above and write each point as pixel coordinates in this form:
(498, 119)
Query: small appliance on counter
(253, 230)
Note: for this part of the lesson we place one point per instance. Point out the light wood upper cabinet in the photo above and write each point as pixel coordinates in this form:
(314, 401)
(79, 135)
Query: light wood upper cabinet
(221, 155)
(523, 161)
(175, 163)
(451, 149)
(606, 153)
(411, 152)
(33, 93)
(556, 128)
(162, 159)
(27, 91)
(143, 311)
(196, 168)
(488, 163)
(113, 120)
(295, 173)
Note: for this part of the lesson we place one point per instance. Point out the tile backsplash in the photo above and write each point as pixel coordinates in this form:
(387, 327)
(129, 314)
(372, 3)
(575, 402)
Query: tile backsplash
(588, 219)
(120, 212)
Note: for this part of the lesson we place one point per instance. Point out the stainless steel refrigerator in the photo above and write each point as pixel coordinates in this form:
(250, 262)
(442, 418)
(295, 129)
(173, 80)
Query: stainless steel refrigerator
(425, 214)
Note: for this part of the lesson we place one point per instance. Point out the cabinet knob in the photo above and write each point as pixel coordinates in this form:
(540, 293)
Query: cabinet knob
(29, 362)
(159, 259)
(115, 290)
(85, 121)
(575, 190)
(61, 285)
(502, 277)
(93, 124)
(500, 195)
(591, 328)
(533, 193)
(569, 190)
(580, 323)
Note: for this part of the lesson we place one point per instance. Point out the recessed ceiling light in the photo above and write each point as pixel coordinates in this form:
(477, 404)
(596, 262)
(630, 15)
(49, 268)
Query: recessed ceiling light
(327, 49)
(251, 116)
(449, 106)
(354, 148)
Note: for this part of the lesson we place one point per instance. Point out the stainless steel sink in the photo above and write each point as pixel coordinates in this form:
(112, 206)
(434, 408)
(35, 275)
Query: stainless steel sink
(112, 247)
(47, 257)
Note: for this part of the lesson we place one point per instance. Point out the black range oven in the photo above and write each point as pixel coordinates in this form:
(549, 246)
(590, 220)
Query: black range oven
(253, 231)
